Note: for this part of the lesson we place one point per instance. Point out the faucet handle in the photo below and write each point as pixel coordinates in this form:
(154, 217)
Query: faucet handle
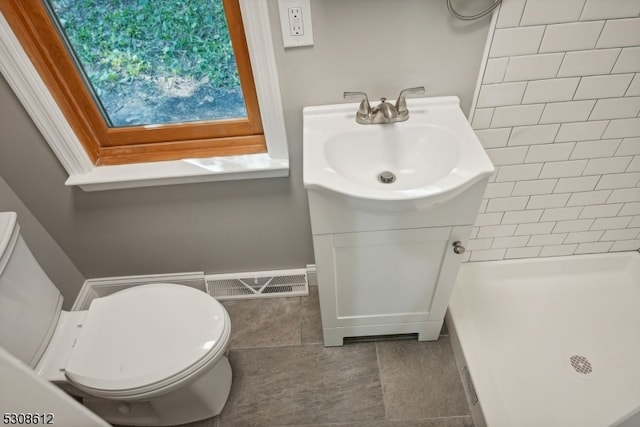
(365, 108)
(401, 102)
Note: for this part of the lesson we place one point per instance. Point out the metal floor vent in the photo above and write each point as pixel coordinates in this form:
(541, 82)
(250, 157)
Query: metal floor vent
(260, 284)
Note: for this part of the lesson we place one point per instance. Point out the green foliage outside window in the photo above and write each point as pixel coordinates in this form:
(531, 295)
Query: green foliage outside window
(154, 47)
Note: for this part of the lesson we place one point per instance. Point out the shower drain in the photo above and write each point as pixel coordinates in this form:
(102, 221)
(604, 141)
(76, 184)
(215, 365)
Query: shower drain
(581, 364)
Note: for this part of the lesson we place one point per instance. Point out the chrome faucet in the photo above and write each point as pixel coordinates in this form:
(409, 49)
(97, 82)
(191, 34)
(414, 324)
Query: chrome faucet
(388, 111)
(385, 112)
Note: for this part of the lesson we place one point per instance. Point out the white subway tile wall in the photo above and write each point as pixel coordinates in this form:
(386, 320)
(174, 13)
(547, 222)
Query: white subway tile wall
(558, 112)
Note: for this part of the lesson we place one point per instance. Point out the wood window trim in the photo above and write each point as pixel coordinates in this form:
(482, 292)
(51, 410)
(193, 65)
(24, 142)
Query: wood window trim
(138, 144)
(46, 114)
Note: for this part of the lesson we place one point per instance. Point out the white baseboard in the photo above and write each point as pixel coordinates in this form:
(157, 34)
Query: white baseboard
(312, 275)
(96, 288)
(101, 287)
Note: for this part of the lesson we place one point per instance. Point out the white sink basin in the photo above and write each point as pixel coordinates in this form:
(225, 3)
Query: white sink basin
(435, 155)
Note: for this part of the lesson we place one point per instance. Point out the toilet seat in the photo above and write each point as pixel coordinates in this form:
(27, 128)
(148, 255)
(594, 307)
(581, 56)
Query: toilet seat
(147, 339)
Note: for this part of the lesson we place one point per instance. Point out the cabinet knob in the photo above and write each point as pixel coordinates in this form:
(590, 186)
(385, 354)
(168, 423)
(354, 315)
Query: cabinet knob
(458, 248)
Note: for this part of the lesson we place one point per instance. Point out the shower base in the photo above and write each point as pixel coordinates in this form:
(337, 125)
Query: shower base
(550, 341)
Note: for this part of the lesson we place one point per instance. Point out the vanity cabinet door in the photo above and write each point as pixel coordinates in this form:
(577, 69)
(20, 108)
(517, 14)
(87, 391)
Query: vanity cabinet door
(386, 277)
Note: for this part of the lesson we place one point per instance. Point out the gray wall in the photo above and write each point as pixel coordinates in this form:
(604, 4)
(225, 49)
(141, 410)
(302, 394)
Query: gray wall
(372, 45)
(49, 254)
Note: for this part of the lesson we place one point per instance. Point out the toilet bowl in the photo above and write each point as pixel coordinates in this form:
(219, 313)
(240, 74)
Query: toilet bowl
(148, 355)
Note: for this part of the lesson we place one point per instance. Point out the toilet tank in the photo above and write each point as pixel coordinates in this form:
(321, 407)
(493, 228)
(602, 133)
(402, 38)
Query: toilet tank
(30, 304)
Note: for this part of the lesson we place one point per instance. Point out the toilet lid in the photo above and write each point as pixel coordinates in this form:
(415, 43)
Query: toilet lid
(145, 335)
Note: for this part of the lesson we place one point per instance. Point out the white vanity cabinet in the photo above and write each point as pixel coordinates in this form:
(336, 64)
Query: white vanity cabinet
(388, 202)
(388, 272)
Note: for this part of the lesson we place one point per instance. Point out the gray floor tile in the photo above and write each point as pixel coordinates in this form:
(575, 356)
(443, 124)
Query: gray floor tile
(264, 322)
(211, 422)
(283, 376)
(432, 422)
(304, 384)
(420, 380)
(311, 323)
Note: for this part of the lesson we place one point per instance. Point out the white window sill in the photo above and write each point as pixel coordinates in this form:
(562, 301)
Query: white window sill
(180, 172)
(35, 96)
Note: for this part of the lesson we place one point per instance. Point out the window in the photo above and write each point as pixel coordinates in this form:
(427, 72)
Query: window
(238, 139)
(157, 62)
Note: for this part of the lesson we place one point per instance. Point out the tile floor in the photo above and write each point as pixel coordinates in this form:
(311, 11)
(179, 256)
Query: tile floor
(284, 376)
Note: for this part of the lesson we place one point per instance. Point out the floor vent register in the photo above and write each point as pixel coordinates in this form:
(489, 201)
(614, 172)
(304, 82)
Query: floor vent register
(262, 284)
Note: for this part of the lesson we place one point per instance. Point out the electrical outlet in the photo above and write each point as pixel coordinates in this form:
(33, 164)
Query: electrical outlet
(296, 27)
(295, 20)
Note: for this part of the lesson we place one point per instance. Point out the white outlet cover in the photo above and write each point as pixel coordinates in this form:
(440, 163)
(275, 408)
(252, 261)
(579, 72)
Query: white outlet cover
(288, 38)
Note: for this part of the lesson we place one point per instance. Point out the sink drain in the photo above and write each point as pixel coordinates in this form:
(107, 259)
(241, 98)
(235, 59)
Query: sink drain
(386, 177)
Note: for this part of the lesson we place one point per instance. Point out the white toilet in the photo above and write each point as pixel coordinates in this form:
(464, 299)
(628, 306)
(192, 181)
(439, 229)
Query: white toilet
(151, 355)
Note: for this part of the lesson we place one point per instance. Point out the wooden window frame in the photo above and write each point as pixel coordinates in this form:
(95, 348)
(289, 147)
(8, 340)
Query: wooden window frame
(38, 36)
(47, 116)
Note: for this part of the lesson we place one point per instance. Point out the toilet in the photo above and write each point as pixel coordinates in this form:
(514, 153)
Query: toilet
(150, 355)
